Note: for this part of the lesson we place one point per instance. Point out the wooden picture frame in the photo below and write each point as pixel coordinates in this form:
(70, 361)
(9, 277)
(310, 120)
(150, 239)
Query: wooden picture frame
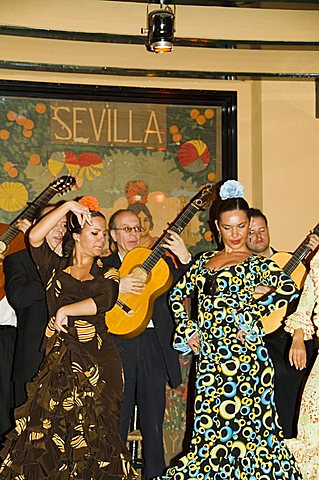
(154, 147)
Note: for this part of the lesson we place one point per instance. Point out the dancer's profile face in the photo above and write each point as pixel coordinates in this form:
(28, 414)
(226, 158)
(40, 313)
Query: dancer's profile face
(91, 240)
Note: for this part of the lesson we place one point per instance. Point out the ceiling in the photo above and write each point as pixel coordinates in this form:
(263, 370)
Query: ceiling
(282, 4)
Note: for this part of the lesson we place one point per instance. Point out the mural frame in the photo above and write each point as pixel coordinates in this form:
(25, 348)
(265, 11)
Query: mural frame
(177, 103)
(227, 100)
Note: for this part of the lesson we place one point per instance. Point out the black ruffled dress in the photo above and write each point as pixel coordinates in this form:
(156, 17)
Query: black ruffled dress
(68, 428)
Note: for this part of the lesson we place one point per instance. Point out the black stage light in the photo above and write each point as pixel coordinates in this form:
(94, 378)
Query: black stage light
(160, 28)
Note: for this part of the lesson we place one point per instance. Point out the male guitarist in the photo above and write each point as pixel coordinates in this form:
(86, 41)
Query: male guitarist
(287, 380)
(8, 322)
(148, 359)
(26, 295)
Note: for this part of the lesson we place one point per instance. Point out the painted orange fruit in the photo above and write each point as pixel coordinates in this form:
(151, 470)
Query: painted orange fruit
(194, 113)
(209, 113)
(4, 134)
(173, 129)
(40, 108)
(11, 115)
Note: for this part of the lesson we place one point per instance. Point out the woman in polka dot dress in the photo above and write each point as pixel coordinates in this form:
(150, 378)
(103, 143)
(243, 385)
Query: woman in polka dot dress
(236, 431)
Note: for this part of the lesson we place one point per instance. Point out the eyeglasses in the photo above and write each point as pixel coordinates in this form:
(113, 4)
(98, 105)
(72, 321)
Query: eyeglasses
(130, 229)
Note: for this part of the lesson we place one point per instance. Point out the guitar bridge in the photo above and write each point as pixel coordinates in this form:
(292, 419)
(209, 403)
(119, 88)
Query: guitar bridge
(124, 307)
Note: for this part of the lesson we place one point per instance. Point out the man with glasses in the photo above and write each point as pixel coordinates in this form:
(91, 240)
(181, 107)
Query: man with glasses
(148, 359)
(287, 380)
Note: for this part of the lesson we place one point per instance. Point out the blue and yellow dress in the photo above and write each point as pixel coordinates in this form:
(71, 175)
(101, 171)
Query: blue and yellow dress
(236, 431)
(68, 427)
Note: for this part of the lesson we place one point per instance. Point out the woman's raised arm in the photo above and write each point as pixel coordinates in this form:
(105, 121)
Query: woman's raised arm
(42, 227)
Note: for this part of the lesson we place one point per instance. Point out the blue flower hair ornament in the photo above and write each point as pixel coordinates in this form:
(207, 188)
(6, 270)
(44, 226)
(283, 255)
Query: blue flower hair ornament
(231, 189)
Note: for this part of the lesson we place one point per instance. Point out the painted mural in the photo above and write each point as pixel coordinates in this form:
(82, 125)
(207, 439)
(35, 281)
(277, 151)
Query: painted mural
(151, 158)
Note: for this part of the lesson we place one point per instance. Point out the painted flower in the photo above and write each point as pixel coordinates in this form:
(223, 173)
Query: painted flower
(136, 191)
(13, 196)
(88, 164)
(231, 189)
(56, 162)
(194, 155)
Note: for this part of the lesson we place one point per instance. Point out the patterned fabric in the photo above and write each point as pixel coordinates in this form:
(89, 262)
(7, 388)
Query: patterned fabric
(68, 428)
(307, 314)
(306, 445)
(236, 432)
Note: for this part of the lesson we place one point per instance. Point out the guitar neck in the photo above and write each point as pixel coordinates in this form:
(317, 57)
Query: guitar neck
(28, 213)
(178, 226)
(299, 255)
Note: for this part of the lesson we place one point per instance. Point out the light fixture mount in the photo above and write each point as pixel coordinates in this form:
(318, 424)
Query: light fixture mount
(160, 28)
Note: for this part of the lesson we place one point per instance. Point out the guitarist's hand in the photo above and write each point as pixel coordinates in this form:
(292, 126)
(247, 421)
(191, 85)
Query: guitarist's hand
(262, 290)
(313, 241)
(297, 352)
(23, 224)
(61, 320)
(131, 284)
(176, 245)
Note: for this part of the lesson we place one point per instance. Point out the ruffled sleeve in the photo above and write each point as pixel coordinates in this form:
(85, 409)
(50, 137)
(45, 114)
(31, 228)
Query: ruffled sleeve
(268, 273)
(309, 304)
(186, 327)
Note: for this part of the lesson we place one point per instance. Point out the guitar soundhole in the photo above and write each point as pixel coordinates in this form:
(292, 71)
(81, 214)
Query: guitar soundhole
(140, 273)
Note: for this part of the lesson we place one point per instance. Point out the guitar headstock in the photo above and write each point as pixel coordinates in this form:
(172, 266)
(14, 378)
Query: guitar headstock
(205, 196)
(63, 184)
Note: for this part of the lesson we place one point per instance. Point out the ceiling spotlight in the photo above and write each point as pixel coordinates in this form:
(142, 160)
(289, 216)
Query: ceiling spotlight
(160, 28)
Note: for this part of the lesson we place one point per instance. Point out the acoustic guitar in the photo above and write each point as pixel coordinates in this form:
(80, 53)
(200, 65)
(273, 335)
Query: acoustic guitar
(293, 266)
(131, 313)
(11, 238)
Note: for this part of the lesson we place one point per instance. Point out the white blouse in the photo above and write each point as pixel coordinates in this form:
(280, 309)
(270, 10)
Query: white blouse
(308, 308)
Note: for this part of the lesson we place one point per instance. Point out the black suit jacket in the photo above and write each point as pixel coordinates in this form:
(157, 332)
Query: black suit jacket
(26, 295)
(163, 323)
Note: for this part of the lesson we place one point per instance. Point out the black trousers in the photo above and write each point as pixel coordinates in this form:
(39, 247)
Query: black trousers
(288, 382)
(145, 378)
(7, 342)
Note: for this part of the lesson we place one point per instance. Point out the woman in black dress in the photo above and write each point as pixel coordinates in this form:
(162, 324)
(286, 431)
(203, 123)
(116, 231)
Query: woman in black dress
(68, 428)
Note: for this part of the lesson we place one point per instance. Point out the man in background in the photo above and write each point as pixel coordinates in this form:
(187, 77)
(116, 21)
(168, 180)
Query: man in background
(287, 380)
(8, 322)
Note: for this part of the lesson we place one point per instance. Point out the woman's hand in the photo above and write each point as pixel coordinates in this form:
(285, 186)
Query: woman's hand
(241, 336)
(297, 352)
(131, 284)
(61, 320)
(176, 245)
(82, 213)
(194, 343)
